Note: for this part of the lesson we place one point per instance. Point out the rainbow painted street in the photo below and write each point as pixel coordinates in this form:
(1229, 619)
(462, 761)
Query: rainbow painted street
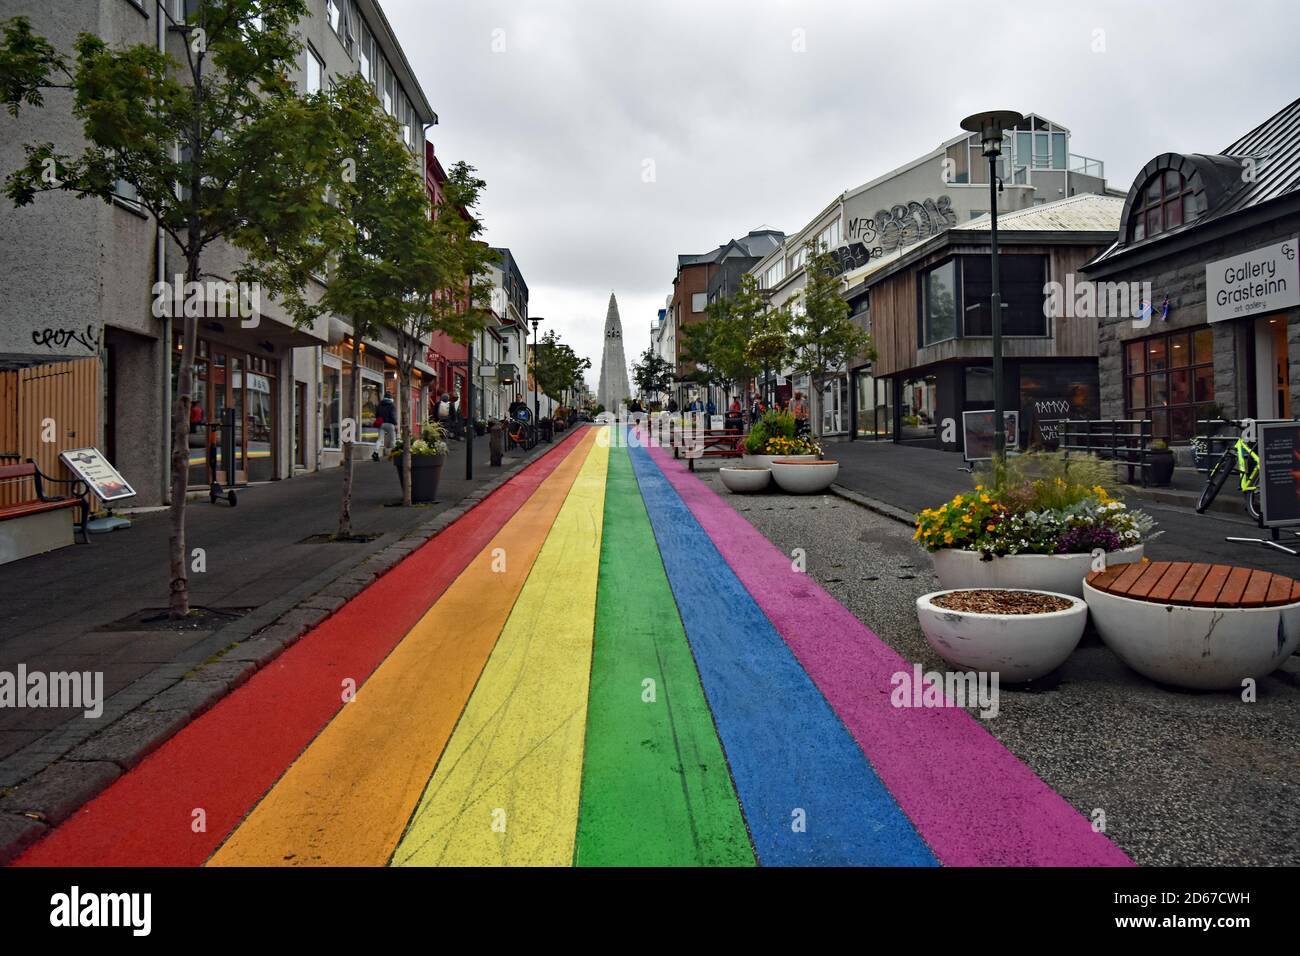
(603, 663)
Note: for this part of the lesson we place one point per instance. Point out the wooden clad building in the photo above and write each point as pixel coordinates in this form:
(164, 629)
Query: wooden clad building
(926, 307)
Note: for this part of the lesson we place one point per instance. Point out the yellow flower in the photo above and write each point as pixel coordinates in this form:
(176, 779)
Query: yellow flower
(957, 500)
(991, 527)
(979, 487)
(947, 537)
(966, 519)
(984, 498)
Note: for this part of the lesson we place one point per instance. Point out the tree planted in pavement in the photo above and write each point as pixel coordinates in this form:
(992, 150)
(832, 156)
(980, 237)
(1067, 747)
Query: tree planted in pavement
(210, 138)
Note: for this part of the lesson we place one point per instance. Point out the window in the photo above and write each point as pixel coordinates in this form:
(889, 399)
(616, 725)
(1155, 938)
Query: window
(1169, 379)
(366, 55)
(829, 238)
(390, 91)
(798, 259)
(1020, 282)
(698, 301)
(126, 192)
(315, 71)
(939, 303)
(1165, 202)
(774, 274)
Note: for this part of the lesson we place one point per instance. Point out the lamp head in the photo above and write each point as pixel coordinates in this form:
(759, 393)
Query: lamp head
(990, 126)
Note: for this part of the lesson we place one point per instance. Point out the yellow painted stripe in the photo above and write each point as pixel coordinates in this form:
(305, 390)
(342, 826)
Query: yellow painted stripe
(346, 799)
(506, 790)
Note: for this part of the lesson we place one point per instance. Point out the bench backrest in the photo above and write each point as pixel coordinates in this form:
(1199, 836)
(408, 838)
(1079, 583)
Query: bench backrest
(25, 470)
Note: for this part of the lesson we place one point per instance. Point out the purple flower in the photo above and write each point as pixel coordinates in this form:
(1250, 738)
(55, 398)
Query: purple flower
(1085, 540)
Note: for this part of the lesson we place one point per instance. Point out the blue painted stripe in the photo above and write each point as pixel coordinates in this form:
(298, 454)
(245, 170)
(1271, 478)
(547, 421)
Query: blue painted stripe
(791, 758)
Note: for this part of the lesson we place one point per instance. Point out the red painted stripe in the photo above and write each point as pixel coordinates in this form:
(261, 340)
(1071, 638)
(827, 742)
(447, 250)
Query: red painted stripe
(223, 762)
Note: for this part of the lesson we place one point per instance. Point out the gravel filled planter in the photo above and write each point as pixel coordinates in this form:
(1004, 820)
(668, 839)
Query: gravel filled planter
(1021, 634)
(1057, 573)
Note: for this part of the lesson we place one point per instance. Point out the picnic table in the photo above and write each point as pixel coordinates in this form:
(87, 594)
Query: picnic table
(716, 443)
(1196, 585)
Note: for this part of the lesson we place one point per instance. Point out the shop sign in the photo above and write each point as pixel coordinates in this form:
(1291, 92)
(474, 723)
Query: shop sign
(1279, 480)
(1263, 280)
(90, 465)
(977, 433)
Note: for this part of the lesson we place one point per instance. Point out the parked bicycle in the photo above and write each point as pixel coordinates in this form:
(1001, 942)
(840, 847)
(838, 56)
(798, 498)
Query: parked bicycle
(1238, 459)
(520, 433)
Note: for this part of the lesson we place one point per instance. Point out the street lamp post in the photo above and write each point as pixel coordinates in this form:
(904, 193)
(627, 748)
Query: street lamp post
(537, 417)
(990, 125)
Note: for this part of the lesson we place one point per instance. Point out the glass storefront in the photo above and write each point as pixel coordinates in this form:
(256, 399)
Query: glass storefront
(230, 378)
(918, 407)
(875, 411)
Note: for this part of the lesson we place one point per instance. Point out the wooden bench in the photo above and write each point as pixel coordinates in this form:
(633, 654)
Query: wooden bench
(35, 523)
(1196, 585)
(726, 443)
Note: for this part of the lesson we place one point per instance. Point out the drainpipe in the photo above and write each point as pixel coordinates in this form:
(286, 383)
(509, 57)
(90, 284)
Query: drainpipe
(165, 366)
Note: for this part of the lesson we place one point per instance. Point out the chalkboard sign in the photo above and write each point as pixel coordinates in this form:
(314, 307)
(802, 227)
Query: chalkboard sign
(977, 432)
(1279, 480)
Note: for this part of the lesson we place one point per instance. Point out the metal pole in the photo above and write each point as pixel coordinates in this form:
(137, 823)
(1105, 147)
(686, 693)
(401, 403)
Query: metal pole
(999, 426)
(537, 416)
(469, 403)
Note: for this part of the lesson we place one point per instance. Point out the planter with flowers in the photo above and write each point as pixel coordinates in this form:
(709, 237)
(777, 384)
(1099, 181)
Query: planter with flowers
(775, 436)
(428, 453)
(1036, 525)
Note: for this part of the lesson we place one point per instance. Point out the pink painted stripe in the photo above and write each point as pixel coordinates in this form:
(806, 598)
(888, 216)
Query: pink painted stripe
(969, 797)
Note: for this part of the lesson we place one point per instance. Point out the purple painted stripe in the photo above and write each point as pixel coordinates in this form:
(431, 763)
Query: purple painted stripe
(969, 797)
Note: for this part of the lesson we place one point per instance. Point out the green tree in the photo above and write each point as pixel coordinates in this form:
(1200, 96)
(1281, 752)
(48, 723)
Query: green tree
(217, 146)
(443, 272)
(653, 374)
(823, 337)
(721, 350)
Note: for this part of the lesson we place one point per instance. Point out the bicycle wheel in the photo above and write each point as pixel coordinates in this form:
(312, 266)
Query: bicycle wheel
(1252, 502)
(1217, 479)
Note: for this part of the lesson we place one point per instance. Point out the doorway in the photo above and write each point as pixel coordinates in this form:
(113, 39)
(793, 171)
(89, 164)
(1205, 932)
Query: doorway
(1272, 369)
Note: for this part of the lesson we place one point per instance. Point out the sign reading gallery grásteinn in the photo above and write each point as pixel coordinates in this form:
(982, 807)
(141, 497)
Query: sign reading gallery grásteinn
(1263, 280)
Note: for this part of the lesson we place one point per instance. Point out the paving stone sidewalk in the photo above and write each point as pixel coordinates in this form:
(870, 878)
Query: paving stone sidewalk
(57, 614)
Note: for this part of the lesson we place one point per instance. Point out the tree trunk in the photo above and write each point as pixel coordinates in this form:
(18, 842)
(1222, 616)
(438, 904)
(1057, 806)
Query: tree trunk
(819, 387)
(178, 605)
(404, 396)
(354, 410)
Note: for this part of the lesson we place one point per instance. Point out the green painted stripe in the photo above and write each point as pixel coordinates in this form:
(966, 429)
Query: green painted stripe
(656, 790)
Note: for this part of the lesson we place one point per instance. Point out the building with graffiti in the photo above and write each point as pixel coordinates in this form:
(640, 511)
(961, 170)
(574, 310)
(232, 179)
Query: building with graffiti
(924, 198)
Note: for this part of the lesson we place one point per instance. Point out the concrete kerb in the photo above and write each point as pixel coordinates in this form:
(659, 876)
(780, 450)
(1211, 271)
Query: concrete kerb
(876, 505)
(51, 778)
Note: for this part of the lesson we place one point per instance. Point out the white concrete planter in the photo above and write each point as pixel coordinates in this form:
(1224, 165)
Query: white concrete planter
(1197, 647)
(1019, 647)
(744, 481)
(1058, 573)
(765, 461)
(804, 477)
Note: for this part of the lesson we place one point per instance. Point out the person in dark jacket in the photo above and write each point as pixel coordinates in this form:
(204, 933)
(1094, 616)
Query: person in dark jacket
(386, 419)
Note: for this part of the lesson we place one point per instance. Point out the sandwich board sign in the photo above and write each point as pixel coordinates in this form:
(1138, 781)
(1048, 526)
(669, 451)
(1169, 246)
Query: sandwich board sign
(90, 465)
(1279, 474)
(977, 433)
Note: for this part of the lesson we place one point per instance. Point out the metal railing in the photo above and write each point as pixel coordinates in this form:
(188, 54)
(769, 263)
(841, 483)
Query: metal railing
(1125, 441)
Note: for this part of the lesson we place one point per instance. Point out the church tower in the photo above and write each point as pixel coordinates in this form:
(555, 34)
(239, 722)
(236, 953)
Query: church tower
(614, 386)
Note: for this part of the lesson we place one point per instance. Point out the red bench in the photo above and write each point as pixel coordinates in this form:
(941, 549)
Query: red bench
(34, 533)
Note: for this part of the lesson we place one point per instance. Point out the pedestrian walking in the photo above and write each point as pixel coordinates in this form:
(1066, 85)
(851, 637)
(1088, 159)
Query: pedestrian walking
(386, 422)
(799, 409)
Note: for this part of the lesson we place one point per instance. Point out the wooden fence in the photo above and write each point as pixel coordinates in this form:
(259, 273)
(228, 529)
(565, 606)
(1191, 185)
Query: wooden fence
(44, 410)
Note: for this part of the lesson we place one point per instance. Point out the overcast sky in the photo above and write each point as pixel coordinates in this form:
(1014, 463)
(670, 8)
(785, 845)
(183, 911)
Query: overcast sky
(760, 112)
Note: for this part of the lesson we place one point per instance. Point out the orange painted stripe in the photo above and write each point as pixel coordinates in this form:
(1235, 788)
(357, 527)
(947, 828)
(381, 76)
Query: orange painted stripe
(347, 798)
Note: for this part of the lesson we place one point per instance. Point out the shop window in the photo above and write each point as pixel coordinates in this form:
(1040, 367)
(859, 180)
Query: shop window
(332, 403)
(1165, 202)
(939, 303)
(1169, 379)
(1021, 279)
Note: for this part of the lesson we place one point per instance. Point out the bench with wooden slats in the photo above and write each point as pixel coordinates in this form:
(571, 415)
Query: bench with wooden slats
(1196, 585)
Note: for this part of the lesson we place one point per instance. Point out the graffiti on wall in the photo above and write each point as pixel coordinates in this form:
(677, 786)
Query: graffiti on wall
(900, 225)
